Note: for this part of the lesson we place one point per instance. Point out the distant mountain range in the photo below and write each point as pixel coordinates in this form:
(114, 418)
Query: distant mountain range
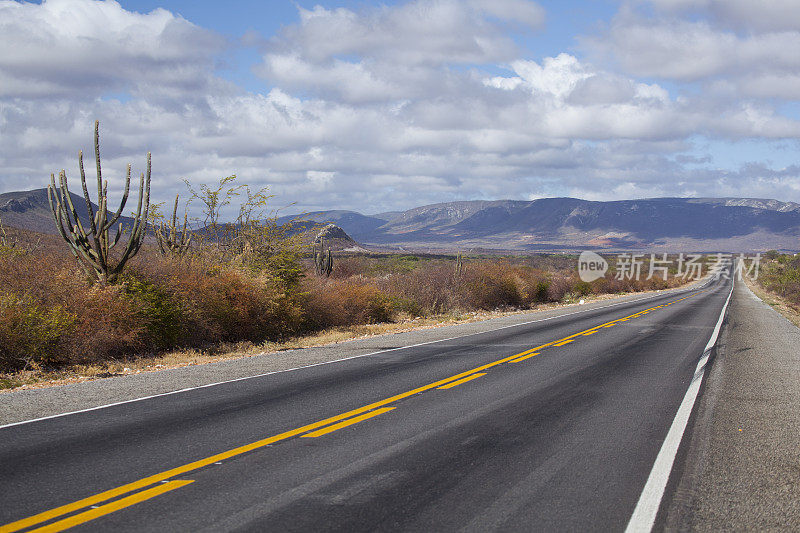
(548, 224)
(663, 224)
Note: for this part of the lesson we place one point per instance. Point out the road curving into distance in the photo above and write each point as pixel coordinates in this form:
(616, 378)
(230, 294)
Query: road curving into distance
(558, 424)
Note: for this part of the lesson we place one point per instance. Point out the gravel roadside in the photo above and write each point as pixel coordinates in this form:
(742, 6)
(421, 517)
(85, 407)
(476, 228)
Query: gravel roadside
(23, 405)
(742, 464)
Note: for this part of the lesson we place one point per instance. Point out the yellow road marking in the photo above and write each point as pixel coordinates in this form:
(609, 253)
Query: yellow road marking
(562, 343)
(348, 422)
(462, 380)
(517, 360)
(195, 465)
(91, 514)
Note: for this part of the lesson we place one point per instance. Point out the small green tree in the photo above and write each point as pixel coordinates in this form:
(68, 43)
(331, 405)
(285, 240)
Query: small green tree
(264, 244)
(214, 200)
(255, 239)
(246, 232)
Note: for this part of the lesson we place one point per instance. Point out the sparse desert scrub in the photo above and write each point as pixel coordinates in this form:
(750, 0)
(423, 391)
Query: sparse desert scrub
(344, 302)
(780, 273)
(194, 301)
(53, 315)
(428, 289)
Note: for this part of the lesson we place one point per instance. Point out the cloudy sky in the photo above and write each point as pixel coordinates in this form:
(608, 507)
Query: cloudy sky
(341, 104)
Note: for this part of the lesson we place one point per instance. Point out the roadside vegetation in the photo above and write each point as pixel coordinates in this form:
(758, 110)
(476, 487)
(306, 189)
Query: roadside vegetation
(780, 273)
(74, 299)
(53, 315)
(780, 276)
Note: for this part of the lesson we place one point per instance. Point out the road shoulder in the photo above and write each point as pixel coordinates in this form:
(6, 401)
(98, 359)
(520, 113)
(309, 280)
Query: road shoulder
(742, 461)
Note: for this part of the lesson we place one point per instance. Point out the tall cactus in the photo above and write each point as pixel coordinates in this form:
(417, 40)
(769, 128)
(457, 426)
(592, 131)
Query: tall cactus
(170, 239)
(459, 266)
(323, 262)
(92, 248)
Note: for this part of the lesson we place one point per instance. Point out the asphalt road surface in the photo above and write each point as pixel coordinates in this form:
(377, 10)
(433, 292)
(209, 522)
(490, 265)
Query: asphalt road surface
(553, 425)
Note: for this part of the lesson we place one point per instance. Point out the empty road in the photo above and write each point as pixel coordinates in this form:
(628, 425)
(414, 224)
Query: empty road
(552, 425)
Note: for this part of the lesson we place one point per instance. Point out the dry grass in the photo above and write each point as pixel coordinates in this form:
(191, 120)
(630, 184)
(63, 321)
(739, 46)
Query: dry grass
(778, 284)
(784, 306)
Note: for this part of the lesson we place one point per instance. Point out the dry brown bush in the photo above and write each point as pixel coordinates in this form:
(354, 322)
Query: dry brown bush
(491, 285)
(212, 302)
(333, 302)
(428, 290)
(65, 319)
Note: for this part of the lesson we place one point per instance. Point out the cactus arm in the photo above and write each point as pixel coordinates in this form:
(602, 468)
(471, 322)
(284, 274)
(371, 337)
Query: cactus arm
(172, 238)
(85, 252)
(89, 209)
(58, 214)
(77, 240)
(129, 249)
(55, 207)
(137, 218)
(186, 237)
(124, 198)
(93, 217)
(323, 261)
(66, 204)
(64, 217)
(103, 226)
(117, 236)
(143, 216)
(162, 245)
(79, 236)
(146, 202)
(78, 244)
(171, 234)
(101, 213)
(173, 231)
(140, 222)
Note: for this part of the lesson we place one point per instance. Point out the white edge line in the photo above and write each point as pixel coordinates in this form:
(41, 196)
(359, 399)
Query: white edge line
(644, 515)
(678, 291)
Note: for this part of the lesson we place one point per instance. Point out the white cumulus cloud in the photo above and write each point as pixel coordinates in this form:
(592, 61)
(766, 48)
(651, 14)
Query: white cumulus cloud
(390, 107)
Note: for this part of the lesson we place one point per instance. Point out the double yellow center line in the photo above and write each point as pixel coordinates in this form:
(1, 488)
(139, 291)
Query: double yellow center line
(315, 429)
